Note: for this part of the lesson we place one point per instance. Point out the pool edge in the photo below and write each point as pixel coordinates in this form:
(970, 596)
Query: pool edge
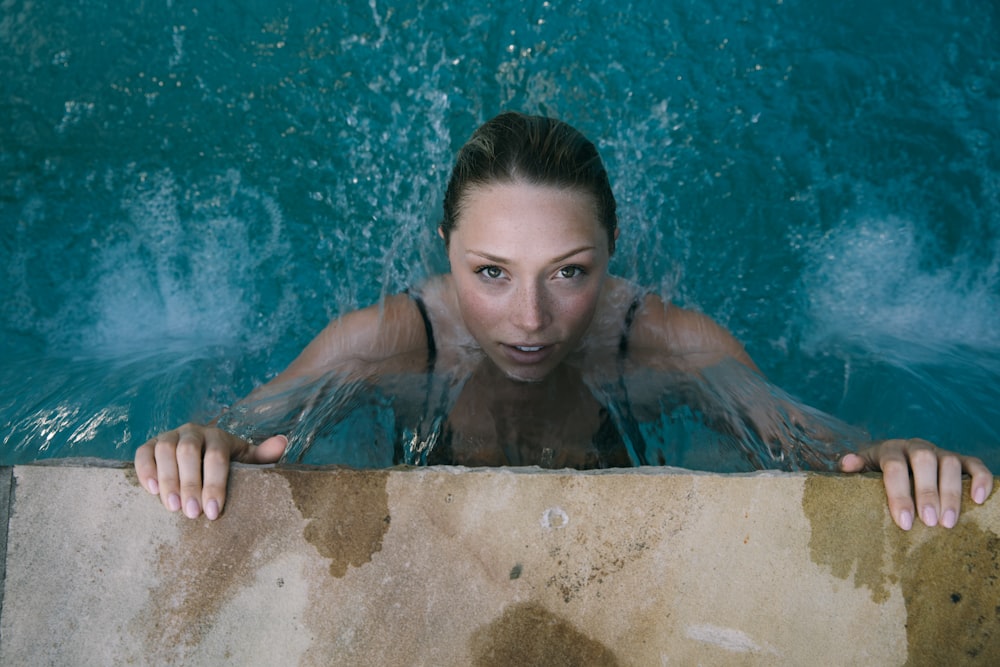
(577, 556)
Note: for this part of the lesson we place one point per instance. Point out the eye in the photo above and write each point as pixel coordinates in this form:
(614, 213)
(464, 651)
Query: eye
(571, 272)
(491, 272)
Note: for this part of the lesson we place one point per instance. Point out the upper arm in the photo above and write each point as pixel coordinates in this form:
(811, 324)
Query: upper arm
(683, 337)
(388, 330)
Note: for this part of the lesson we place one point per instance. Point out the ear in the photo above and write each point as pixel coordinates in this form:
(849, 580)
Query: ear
(616, 233)
(441, 232)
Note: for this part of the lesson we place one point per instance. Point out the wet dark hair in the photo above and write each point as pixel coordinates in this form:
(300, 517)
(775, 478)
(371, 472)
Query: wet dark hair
(516, 148)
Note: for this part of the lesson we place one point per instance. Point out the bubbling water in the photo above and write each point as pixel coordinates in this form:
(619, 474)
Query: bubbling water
(180, 277)
(879, 280)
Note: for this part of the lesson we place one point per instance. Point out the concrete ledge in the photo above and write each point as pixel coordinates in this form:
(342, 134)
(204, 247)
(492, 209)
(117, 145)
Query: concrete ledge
(492, 567)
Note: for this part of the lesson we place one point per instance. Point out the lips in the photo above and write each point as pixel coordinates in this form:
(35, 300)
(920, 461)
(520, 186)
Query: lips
(527, 354)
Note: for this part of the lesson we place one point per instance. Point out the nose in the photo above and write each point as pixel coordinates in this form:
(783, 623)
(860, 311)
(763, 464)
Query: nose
(531, 311)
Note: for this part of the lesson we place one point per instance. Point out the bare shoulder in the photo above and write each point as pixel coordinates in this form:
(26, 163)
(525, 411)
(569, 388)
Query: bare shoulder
(391, 328)
(663, 328)
(441, 302)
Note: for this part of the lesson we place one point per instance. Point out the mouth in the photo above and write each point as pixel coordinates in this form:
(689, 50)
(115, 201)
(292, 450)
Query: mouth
(527, 354)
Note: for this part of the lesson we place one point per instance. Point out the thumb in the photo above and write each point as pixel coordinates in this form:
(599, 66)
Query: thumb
(270, 450)
(852, 463)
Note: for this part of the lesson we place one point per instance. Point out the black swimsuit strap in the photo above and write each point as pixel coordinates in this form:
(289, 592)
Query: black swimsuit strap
(629, 318)
(428, 328)
(628, 431)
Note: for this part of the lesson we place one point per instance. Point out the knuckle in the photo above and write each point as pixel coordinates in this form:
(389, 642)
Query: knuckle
(950, 498)
(951, 466)
(929, 495)
(191, 486)
(188, 430)
(168, 477)
(215, 456)
(895, 467)
(164, 442)
(187, 448)
(893, 445)
(145, 452)
(900, 503)
(923, 457)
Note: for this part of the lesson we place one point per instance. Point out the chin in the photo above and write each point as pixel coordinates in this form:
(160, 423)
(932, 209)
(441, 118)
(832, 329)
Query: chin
(526, 380)
(527, 375)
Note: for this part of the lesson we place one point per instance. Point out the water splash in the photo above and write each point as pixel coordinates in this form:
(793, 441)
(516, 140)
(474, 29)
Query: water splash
(913, 330)
(176, 270)
(724, 418)
(881, 282)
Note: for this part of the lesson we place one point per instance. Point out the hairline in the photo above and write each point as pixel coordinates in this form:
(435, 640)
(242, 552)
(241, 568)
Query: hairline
(500, 180)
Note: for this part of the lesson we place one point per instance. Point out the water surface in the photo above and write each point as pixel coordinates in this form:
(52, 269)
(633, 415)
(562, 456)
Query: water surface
(191, 190)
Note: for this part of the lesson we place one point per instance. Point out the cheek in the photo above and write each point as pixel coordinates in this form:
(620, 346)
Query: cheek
(579, 308)
(580, 312)
(479, 311)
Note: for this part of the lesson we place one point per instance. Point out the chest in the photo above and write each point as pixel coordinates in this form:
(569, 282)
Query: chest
(553, 424)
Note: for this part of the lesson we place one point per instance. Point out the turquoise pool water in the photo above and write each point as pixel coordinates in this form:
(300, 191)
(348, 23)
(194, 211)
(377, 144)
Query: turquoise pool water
(190, 190)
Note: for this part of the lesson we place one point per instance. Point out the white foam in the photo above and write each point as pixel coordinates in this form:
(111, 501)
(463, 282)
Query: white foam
(173, 276)
(879, 280)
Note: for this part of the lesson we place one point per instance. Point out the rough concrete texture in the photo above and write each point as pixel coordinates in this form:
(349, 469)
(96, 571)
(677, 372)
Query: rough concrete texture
(493, 567)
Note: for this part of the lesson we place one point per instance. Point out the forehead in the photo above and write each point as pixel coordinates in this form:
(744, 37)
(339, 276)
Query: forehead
(525, 211)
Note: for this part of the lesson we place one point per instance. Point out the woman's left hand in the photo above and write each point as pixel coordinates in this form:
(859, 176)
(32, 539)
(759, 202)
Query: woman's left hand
(936, 484)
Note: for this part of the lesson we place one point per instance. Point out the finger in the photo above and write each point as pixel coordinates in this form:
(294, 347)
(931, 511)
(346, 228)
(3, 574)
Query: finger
(165, 455)
(950, 488)
(145, 467)
(924, 464)
(268, 451)
(852, 462)
(896, 478)
(190, 447)
(982, 478)
(216, 473)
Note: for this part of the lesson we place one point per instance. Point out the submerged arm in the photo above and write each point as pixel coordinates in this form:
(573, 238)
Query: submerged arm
(912, 469)
(188, 467)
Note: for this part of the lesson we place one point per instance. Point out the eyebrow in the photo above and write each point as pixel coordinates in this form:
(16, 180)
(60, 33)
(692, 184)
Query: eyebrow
(504, 260)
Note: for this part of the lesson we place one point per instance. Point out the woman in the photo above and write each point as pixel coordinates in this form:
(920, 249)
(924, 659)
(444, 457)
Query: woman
(528, 319)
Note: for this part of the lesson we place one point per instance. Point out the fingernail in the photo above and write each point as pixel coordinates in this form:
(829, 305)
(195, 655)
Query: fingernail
(979, 495)
(153, 487)
(949, 519)
(930, 516)
(192, 509)
(173, 502)
(212, 510)
(905, 520)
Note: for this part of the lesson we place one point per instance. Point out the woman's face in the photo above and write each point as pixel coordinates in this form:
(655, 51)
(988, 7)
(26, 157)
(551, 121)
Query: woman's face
(529, 263)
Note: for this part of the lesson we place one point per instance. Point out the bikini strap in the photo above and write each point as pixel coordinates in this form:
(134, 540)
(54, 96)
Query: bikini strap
(629, 318)
(428, 327)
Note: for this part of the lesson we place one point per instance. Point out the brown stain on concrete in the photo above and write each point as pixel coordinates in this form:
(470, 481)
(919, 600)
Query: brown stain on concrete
(851, 531)
(528, 634)
(949, 578)
(211, 562)
(347, 513)
(951, 586)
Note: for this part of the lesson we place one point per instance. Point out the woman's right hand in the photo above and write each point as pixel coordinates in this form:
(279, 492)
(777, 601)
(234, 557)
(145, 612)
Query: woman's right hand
(188, 467)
